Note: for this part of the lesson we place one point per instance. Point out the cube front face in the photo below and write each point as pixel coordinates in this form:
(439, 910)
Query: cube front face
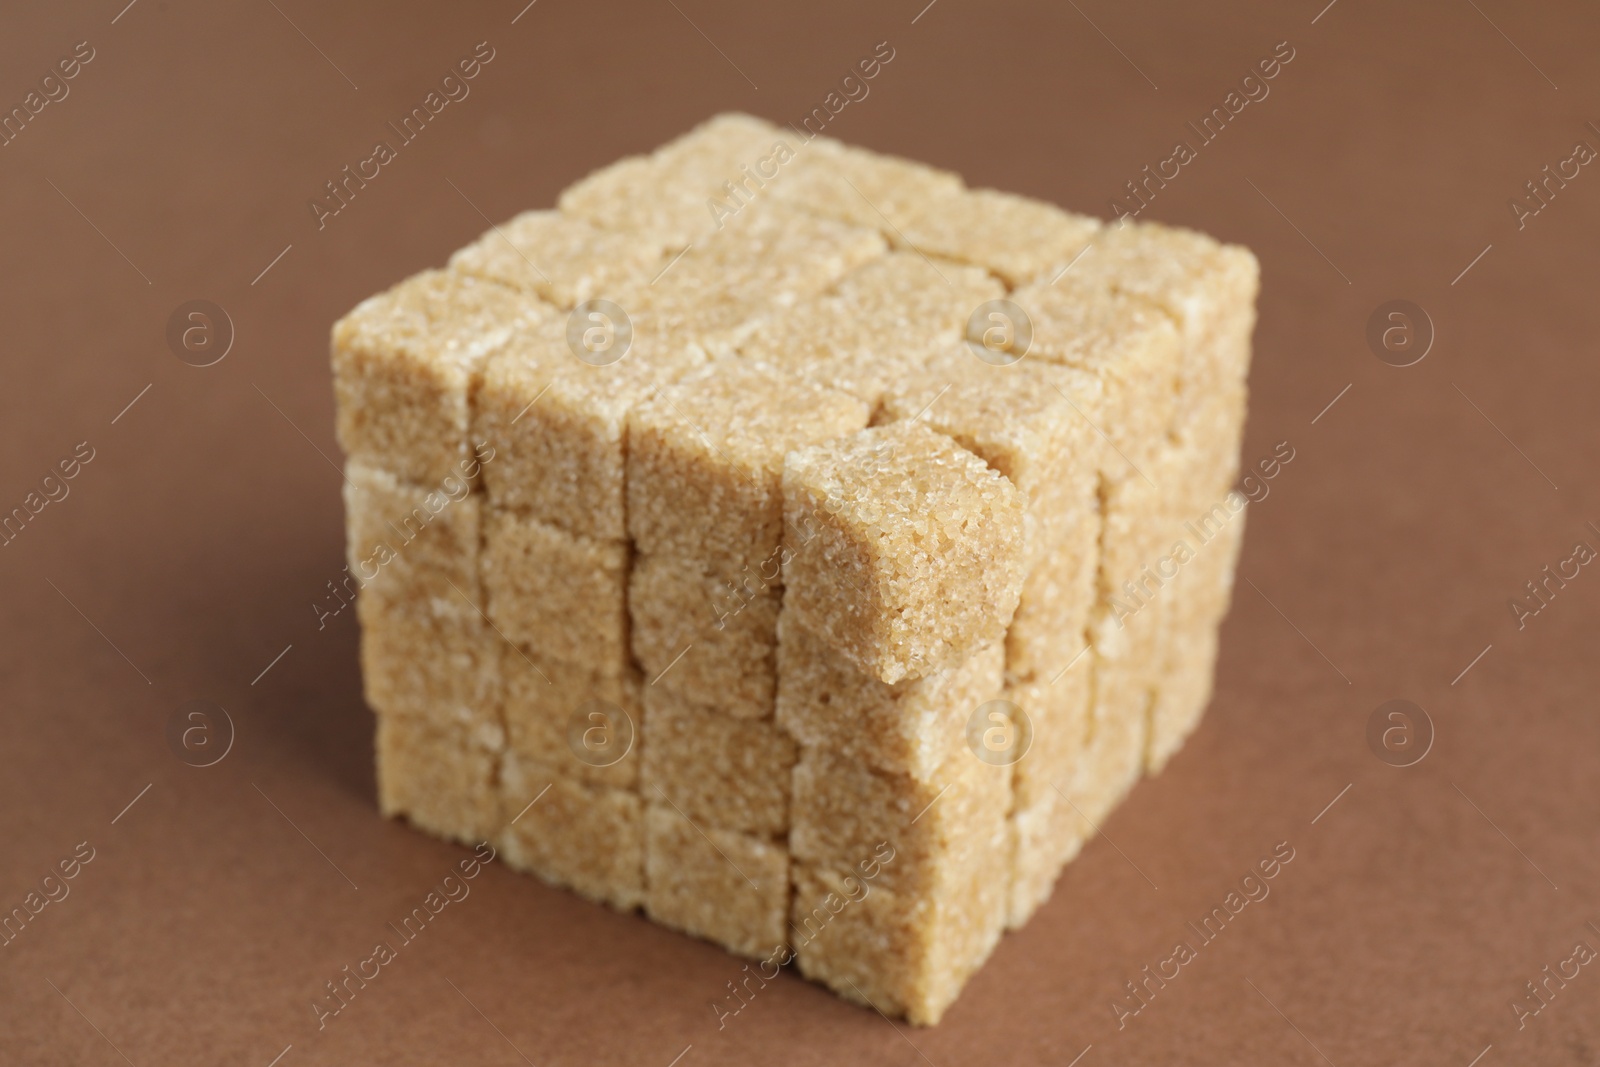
(711, 566)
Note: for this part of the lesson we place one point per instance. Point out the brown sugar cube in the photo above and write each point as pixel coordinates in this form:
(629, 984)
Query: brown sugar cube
(722, 288)
(912, 727)
(585, 837)
(438, 661)
(1032, 423)
(728, 887)
(561, 595)
(1201, 598)
(440, 775)
(881, 322)
(710, 639)
(1048, 632)
(897, 952)
(409, 544)
(558, 258)
(687, 188)
(842, 809)
(567, 718)
(1046, 831)
(705, 461)
(1207, 287)
(857, 186)
(1114, 755)
(716, 770)
(940, 857)
(918, 550)
(404, 364)
(557, 424)
(1128, 342)
(1017, 238)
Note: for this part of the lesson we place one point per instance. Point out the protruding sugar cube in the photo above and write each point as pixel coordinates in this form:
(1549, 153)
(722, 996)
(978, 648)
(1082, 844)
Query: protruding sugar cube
(438, 661)
(918, 554)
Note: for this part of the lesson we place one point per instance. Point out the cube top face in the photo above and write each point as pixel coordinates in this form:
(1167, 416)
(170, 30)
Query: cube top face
(671, 194)
(909, 550)
(1017, 238)
(560, 259)
(405, 362)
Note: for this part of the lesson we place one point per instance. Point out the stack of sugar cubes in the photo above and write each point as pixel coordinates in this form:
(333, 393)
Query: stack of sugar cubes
(794, 543)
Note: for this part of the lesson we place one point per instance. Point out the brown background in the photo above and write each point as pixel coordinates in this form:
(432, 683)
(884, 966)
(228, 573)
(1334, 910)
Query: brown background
(206, 527)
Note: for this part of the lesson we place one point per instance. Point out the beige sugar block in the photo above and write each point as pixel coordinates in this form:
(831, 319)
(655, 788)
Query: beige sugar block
(716, 770)
(918, 553)
(705, 461)
(1114, 757)
(1019, 239)
(579, 835)
(558, 424)
(685, 189)
(902, 953)
(440, 775)
(881, 322)
(728, 887)
(1201, 599)
(410, 544)
(562, 595)
(912, 727)
(1048, 632)
(1034, 423)
(558, 258)
(438, 661)
(404, 365)
(842, 809)
(709, 638)
(1207, 287)
(864, 188)
(1127, 341)
(767, 259)
(570, 719)
(1046, 831)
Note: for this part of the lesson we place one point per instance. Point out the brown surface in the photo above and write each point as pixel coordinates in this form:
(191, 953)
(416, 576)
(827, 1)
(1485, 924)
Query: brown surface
(204, 530)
